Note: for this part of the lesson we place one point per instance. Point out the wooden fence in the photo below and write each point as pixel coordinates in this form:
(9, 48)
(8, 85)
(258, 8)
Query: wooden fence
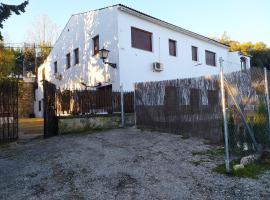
(92, 102)
(191, 106)
(188, 106)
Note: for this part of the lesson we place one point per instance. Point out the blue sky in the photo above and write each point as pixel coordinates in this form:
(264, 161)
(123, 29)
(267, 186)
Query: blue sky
(244, 20)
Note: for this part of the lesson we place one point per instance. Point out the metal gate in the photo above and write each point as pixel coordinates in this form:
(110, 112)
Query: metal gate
(50, 112)
(8, 110)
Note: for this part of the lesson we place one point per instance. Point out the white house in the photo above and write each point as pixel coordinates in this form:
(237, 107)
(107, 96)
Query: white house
(136, 41)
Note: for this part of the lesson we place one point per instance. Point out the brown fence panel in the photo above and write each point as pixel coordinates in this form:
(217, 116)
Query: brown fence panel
(188, 106)
(89, 102)
(192, 107)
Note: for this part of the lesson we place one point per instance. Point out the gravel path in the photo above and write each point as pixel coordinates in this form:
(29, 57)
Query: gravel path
(119, 164)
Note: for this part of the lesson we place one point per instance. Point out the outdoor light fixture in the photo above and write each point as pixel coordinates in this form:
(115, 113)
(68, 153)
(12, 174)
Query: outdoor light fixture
(103, 54)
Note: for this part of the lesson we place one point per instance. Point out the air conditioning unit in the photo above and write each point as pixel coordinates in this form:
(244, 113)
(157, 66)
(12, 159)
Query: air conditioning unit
(58, 76)
(157, 67)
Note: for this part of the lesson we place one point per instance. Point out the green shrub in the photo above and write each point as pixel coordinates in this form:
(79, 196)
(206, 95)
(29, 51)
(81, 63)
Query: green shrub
(260, 127)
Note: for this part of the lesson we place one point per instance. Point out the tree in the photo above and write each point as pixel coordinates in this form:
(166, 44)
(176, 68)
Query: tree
(260, 58)
(6, 11)
(246, 47)
(259, 52)
(44, 51)
(43, 31)
(7, 61)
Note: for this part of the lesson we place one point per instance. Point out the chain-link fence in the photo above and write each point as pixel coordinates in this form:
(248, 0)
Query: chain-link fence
(247, 112)
(192, 107)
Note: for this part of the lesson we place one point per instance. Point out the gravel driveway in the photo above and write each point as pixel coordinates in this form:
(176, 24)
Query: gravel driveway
(119, 164)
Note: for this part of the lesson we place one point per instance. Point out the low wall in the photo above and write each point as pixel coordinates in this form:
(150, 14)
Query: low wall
(75, 124)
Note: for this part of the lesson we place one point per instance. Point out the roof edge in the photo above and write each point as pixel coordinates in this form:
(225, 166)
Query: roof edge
(169, 25)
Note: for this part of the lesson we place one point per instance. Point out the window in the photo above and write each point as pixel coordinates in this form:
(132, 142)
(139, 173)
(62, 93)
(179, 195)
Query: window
(141, 39)
(172, 47)
(243, 62)
(76, 56)
(96, 45)
(55, 67)
(210, 58)
(194, 53)
(68, 60)
(39, 105)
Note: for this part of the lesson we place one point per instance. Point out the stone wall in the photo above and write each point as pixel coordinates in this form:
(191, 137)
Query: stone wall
(26, 99)
(77, 124)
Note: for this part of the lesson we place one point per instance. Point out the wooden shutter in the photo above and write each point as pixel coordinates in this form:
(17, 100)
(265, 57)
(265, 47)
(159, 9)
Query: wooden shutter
(172, 47)
(141, 39)
(210, 58)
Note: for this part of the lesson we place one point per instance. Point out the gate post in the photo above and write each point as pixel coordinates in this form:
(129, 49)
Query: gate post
(49, 109)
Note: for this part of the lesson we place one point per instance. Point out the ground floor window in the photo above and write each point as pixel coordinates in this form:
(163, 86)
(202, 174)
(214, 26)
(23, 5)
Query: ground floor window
(39, 105)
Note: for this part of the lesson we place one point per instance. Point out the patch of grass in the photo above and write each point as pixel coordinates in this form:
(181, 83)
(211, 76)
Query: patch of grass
(211, 153)
(208, 142)
(85, 131)
(4, 145)
(196, 163)
(250, 171)
(185, 137)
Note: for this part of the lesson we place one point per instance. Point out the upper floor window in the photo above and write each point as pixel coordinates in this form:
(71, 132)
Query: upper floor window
(141, 39)
(172, 47)
(96, 45)
(194, 53)
(55, 67)
(210, 58)
(68, 60)
(76, 56)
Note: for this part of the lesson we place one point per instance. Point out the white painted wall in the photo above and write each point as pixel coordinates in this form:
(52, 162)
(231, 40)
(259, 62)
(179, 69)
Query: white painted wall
(78, 33)
(39, 91)
(134, 65)
(182, 66)
(233, 61)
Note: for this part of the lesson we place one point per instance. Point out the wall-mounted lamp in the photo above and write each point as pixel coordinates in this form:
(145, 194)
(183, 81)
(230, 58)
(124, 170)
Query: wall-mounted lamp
(103, 54)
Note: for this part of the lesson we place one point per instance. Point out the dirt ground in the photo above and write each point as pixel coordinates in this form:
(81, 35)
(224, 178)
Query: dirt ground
(119, 164)
(30, 128)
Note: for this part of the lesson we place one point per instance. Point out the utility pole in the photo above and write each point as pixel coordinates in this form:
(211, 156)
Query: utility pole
(224, 111)
(267, 99)
(35, 59)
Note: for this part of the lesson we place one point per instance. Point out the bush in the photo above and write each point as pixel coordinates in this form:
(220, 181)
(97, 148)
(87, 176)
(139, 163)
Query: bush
(260, 126)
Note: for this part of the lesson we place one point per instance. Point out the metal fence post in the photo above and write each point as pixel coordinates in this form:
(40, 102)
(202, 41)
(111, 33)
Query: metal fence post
(226, 139)
(267, 100)
(122, 107)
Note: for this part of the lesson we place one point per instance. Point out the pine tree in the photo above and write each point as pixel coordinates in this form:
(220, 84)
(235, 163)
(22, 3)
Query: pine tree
(6, 11)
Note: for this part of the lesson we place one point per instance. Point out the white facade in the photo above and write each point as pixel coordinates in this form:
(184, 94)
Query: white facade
(113, 25)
